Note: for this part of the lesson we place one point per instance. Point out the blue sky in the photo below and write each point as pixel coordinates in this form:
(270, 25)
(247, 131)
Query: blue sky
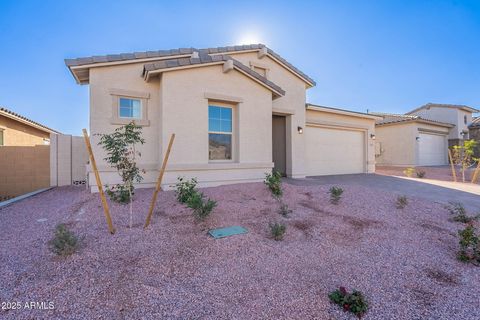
(380, 55)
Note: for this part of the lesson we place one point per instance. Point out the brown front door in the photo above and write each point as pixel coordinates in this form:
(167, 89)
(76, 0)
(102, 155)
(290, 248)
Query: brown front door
(279, 135)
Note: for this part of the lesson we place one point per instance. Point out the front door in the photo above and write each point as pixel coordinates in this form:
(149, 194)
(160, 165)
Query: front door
(279, 152)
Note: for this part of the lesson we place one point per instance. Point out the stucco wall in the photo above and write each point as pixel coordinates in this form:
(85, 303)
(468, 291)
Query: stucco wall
(398, 142)
(329, 119)
(294, 100)
(449, 115)
(19, 134)
(177, 104)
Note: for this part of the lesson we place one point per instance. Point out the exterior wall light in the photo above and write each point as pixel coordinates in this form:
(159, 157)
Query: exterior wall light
(372, 136)
(417, 138)
(300, 129)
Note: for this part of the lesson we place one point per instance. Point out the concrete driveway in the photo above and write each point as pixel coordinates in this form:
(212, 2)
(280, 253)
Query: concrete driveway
(467, 194)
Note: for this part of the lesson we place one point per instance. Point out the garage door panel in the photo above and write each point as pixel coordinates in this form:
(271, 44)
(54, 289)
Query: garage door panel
(432, 150)
(334, 151)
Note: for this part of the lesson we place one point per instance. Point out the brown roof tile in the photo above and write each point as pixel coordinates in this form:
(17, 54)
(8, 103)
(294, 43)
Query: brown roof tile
(16, 115)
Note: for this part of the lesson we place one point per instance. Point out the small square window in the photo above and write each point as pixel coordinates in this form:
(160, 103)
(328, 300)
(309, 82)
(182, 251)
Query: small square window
(130, 108)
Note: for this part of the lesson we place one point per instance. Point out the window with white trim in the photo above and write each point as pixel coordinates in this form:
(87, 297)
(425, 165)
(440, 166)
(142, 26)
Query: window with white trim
(220, 132)
(129, 108)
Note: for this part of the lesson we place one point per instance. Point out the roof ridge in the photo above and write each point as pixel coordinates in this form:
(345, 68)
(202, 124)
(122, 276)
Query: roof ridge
(5, 110)
(76, 62)
(206, 58)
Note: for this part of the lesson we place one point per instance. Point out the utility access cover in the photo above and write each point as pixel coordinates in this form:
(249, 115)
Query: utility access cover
(228, 231)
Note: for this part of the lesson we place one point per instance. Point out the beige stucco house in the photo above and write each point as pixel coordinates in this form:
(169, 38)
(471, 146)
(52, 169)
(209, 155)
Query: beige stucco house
(237, 112)
(411, 140)
(24, 154)
(459, 115)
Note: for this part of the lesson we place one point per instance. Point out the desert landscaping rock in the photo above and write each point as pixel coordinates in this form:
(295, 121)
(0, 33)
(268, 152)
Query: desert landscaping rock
(402, 260)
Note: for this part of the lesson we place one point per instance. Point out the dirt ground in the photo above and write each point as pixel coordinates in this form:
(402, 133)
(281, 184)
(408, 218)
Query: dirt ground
(443, 173)
(402, 260)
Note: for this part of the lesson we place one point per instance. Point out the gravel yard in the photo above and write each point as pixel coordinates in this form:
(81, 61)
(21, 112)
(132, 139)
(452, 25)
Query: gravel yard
(402, 260)
(443, 173)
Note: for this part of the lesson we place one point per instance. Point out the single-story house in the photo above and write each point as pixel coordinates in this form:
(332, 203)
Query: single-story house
(411, 140)
(24, 154)
(237, 112)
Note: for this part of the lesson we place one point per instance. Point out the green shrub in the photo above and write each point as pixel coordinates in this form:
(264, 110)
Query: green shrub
(459, 213)
(185, 189)
(401, 202)
(421, 174)
(469, 245)
(335, 194)
(201, 208)
(274, 183)
(119, 193)
(64, 242)
(284, 210)
(277, 231)
(409, 172)
(354, 302)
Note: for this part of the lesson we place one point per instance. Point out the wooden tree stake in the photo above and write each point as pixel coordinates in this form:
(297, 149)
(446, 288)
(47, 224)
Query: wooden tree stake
(475, 173)
(452, 165)
(159, 180)
(99, 183)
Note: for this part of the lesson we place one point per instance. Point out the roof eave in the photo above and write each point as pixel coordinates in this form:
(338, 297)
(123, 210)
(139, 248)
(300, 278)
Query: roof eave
(342, 112)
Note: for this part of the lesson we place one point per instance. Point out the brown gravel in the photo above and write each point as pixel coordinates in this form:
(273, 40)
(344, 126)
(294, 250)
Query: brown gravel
(443, 173)
(403, 260)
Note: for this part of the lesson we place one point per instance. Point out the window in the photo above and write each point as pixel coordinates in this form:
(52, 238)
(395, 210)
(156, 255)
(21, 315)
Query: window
(219, 133)
(1, 137)
(130, 108)
(465, 119)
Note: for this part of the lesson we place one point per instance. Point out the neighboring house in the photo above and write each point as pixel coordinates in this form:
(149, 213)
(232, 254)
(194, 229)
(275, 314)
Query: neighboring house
(24, 154)
(16, 130)
(459, 115)
(236, 111)
(474, 133)
(411, 140)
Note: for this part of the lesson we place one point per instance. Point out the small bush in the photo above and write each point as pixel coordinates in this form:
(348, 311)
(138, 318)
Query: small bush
(201, 208)
(274, 183)
(460, 213)
(64, 242)
(421, 174)
(401, 202)
(119, 193)
(409, 172)
(469, 245)
(284, 210)
(277, 231)
(185, 189)
(354, 302)
(335, 194)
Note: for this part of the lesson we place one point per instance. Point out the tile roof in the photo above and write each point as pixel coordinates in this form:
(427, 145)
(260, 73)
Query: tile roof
(475, 123)
(183, 51)
(13, 115)
(444, 105)
(389, 118)
(206, 59)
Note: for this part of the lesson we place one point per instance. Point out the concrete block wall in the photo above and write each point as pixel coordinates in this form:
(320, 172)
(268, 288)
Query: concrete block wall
(69, 158)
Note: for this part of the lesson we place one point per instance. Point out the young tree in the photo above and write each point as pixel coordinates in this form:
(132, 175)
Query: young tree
(122, 155)
(463, 156)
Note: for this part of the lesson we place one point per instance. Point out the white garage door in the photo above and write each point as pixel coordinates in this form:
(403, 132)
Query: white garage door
(432, 150)
(334, 151)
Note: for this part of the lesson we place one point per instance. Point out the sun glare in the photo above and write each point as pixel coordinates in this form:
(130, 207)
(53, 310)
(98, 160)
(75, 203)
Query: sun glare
(249, 39)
